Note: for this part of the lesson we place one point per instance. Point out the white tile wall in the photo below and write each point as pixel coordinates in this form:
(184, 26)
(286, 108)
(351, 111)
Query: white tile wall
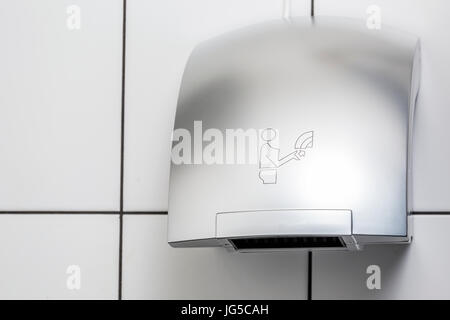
(36, 250)
(60, 105)
(60, 121)
(429, 20)
(154, 270)
(416, 271)
(160, 37)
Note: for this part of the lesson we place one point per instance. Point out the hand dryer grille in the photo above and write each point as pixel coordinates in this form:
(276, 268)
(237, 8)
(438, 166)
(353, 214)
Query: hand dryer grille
(287, 243)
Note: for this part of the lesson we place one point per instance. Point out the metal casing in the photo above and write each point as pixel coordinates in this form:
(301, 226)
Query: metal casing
(351, 90)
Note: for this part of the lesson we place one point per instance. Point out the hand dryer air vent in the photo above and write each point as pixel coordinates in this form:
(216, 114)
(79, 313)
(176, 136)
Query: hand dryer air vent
(323, 109)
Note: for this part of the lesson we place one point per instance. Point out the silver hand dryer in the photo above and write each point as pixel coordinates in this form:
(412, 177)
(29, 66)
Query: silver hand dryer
(295, 136)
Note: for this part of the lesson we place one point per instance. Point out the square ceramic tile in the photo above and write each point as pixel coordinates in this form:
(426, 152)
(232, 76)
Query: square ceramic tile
(415, 271)
(154, 270)
(429, 20)
(59, 256)
(60, 104)
(160, 37)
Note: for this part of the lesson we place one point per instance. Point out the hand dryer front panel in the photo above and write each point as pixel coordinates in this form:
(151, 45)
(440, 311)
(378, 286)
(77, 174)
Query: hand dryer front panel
(295, 117)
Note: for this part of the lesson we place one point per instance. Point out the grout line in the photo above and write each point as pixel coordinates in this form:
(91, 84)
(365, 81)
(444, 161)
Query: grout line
(112, 212)
(62, 212)
(312, 8)
(86, 212)
(93, 212)
(145, 213)
(430, 213)
(122, 146)
(309, 275)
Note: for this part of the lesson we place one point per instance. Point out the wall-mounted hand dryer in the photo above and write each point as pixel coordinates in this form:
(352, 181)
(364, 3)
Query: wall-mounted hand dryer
(295, 136)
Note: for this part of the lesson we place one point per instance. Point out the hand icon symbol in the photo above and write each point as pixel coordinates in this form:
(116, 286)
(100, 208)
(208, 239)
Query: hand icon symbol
(298, 154)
